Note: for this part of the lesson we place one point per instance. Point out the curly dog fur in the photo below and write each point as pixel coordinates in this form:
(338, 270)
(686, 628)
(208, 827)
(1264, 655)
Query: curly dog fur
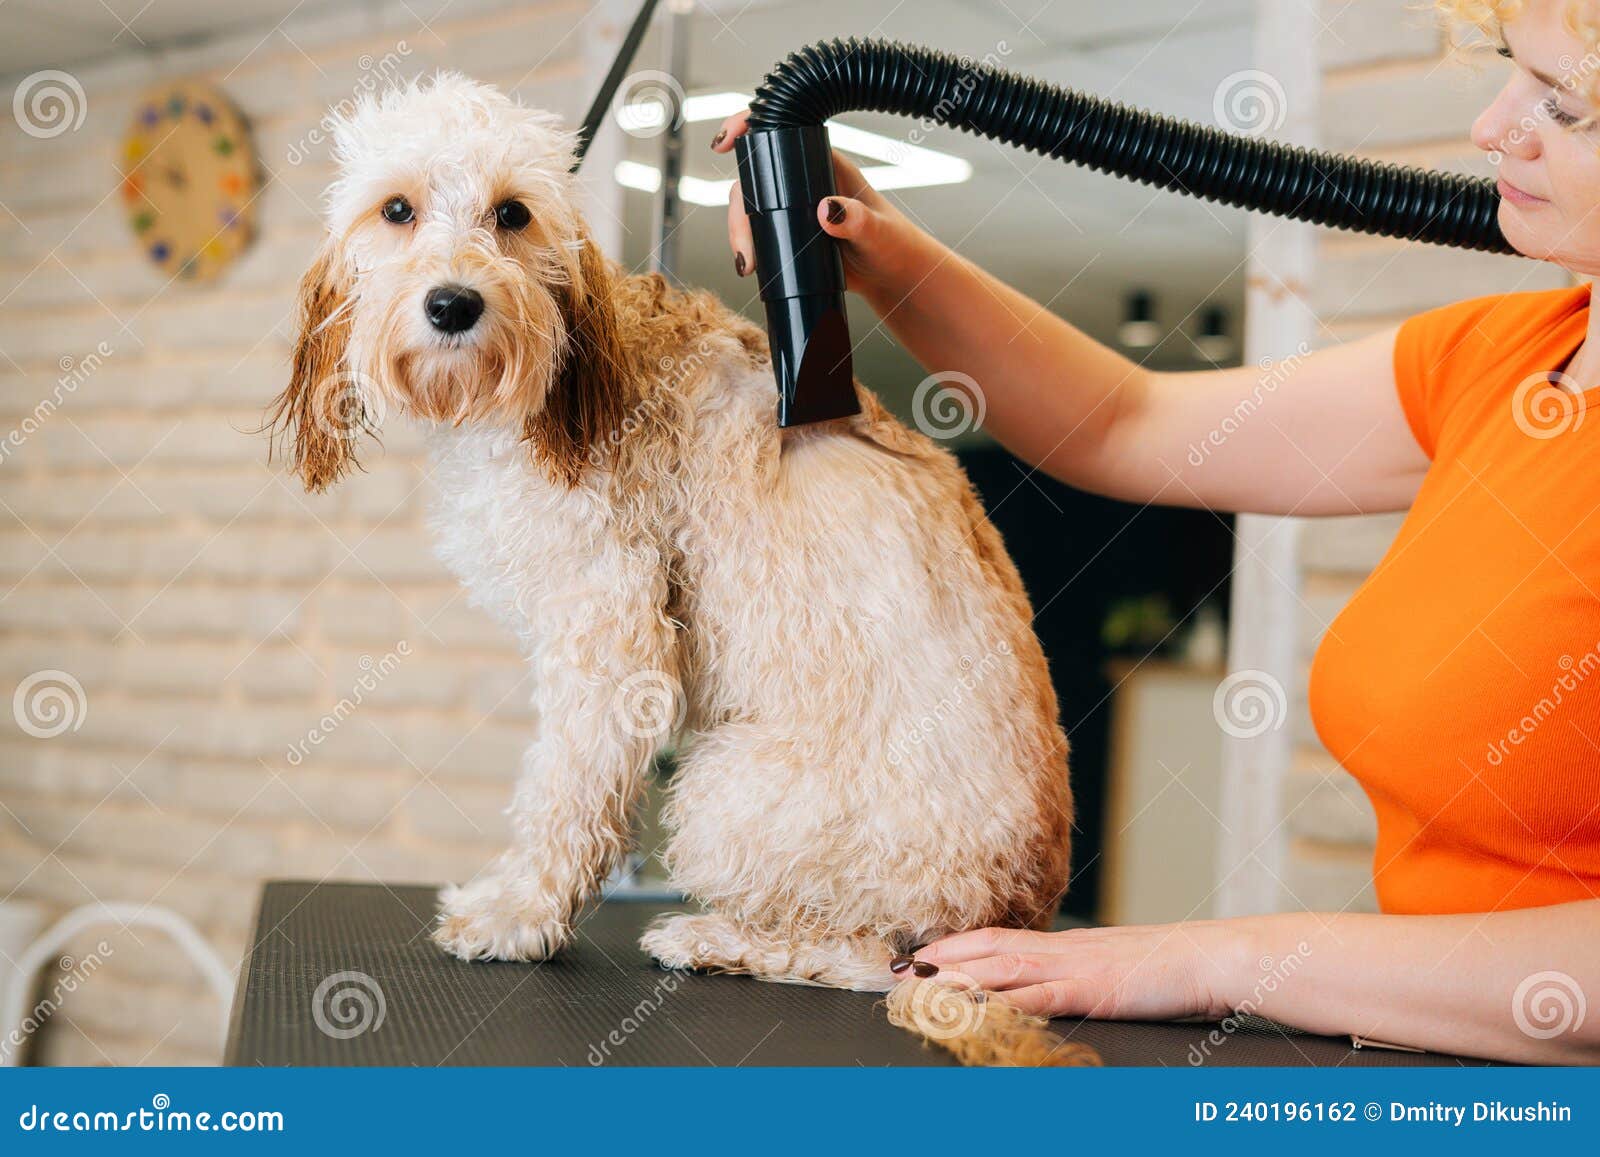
(821, 618)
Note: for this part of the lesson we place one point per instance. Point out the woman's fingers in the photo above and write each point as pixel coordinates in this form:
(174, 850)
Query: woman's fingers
(731, 130)
(856, 214)
(982, 942)
(847, 178)
(740, 239)
(1009, 970)
(846, 218)
(1052, 998)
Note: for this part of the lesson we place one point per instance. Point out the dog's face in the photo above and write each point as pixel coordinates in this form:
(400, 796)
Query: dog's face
(457, 284)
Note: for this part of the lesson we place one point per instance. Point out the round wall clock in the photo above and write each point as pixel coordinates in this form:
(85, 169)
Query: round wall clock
(189, 179)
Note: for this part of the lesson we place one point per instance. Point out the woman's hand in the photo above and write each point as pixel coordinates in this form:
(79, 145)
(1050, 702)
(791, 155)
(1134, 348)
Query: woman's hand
(1151, 972)
(884, 253)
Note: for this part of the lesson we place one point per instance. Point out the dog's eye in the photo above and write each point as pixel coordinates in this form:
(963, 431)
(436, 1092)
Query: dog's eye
(512, 215)
(397, 211)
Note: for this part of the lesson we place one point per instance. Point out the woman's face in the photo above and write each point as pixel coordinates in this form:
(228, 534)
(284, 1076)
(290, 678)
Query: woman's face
(1527, 131)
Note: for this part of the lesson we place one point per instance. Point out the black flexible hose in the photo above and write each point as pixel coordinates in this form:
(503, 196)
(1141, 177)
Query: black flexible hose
(836, 76)
(785, 169)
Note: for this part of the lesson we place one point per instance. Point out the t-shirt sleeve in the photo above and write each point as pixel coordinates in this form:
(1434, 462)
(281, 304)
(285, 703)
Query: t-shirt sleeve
(1433, 353)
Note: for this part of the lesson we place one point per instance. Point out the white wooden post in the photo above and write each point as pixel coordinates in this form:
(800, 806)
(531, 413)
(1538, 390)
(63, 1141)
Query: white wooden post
(1266, 574)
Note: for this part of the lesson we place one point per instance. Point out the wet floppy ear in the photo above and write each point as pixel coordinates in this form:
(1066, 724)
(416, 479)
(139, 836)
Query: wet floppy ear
(593, 389)
(320, 414)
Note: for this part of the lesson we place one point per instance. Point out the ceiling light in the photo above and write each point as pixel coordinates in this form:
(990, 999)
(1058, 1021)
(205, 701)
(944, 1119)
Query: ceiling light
(1138, 329)
(906, 166)
(695, 190)
(1213, 341)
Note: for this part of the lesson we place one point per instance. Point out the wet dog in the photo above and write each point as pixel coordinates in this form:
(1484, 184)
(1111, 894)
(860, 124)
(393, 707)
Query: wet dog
(821, 619)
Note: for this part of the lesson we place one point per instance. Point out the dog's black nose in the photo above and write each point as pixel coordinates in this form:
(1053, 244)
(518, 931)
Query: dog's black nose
(453, 308)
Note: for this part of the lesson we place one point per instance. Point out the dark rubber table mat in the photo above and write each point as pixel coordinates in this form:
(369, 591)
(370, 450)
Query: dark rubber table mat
(388, 996)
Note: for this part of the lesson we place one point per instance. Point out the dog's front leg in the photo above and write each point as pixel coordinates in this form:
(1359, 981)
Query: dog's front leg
(608, 697)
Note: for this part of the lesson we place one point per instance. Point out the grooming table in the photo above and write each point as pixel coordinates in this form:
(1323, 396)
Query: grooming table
(390, 997)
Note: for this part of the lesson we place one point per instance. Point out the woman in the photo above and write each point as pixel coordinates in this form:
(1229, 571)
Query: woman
(1453, 685)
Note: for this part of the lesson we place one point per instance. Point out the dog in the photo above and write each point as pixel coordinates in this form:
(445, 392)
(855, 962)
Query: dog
(821, 620)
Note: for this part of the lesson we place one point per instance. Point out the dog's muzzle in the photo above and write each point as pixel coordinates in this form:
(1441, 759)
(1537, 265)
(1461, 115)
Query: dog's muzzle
(453, 308)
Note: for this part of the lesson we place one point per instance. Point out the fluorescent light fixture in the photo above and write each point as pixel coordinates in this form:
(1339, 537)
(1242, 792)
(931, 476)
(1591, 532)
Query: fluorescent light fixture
(650, 116)
(695, 190)
(714, 106)
(905, 166)
(633, 175)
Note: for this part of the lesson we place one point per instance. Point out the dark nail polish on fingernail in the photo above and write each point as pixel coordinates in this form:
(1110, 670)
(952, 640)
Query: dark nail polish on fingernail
(738, 264)
(718, 139)
(923, 969)
(835, 211)
(900, 963)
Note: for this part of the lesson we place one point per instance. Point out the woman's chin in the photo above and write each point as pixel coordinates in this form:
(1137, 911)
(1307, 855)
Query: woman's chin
(1530, 240)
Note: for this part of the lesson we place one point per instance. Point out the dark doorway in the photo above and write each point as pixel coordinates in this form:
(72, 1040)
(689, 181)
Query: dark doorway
(1083, 558)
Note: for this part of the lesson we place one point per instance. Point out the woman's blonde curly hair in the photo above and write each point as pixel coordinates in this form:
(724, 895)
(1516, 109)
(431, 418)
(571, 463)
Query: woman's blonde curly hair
(1582, 19)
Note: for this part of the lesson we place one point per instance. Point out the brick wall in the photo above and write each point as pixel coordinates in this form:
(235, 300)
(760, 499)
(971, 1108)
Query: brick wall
(211, 613)
(1391, 90)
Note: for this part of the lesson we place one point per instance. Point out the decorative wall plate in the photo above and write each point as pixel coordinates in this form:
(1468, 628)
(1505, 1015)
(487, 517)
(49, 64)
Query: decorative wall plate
(189, 179)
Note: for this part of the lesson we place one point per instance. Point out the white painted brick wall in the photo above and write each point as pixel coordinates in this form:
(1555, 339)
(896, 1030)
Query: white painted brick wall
(1391, 92)
(1357, 32)
(211, 611)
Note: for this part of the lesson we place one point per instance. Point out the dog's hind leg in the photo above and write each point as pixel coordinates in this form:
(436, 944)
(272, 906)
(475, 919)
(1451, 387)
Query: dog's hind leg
(714, 943)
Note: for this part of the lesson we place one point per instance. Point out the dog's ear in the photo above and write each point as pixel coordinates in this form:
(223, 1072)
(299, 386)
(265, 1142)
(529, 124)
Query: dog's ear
(594, 388)
(320, 412)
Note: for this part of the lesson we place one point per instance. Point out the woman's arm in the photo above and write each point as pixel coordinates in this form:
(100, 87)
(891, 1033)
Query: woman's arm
(1319, 433)
(1488, 985)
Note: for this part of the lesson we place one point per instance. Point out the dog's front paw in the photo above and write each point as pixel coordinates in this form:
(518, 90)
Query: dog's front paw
(487, 920)
(692, 940)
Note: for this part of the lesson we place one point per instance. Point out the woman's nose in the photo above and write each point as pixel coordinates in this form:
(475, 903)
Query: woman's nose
(1499, 128)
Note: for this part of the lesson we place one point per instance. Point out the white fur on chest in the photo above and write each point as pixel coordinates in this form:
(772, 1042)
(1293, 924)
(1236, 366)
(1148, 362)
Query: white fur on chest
(519, 543)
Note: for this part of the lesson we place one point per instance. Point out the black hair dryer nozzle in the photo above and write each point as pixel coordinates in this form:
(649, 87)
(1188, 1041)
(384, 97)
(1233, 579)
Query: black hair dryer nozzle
(783, 175)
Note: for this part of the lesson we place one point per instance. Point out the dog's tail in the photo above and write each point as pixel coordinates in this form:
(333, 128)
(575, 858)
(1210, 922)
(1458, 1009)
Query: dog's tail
(951, 1012)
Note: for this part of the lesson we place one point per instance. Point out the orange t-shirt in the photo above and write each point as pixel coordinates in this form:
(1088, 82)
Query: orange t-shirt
(1461, 685)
